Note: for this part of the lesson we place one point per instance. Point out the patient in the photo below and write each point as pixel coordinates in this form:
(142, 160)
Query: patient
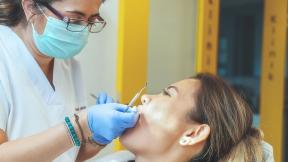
(197, 119)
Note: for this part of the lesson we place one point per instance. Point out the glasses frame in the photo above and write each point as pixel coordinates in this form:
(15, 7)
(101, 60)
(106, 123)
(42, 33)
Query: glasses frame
(67, 20)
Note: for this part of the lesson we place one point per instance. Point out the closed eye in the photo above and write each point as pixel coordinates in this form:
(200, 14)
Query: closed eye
(164, 92)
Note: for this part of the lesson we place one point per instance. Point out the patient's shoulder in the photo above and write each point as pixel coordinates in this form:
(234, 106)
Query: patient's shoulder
(267, 152)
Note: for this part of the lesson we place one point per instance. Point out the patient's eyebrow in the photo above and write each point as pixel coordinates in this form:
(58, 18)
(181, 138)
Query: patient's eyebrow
(173, 87)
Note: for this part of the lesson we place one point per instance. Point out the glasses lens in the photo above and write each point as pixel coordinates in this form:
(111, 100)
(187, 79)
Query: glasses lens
(77, 25)
(97, 27)
(81, 25)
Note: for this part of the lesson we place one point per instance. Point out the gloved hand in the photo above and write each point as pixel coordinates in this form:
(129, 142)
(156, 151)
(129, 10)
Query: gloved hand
(109, 121)
(103, 98)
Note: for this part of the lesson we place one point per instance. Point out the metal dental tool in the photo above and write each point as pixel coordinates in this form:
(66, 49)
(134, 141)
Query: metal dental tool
(94, 96)
(134, 99)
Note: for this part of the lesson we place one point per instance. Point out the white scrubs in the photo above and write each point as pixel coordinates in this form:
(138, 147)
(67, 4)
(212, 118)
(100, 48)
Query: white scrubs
(28, 103)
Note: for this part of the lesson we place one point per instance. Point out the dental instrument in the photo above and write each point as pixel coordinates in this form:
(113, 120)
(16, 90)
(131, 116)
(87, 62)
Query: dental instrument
(133, 100)
(94, 96)
(137, 96)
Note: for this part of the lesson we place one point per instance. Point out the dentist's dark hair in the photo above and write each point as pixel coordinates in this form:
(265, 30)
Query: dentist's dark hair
(12, 13)
(229, 116)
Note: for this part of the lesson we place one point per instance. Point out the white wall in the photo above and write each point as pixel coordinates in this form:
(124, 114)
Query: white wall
(171, 42)
(98, 59)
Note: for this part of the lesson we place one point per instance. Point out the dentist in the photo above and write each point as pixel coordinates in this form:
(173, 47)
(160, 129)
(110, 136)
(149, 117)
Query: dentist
(41, 90)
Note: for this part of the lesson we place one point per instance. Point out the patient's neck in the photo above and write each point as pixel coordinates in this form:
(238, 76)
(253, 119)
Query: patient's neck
(175, 154)
(171, 156)
(157, 159)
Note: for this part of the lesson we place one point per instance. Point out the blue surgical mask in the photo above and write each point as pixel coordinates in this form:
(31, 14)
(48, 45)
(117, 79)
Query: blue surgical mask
(57, 42)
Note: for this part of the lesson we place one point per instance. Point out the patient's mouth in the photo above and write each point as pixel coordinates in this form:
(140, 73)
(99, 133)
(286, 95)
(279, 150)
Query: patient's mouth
(141, 120)
(140, 109)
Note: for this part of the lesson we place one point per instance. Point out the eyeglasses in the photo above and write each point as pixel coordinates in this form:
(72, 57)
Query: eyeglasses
(94, 26)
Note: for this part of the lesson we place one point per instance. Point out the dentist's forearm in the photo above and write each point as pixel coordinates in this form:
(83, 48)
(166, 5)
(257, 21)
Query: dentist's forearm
(45, 146)
(87, 150)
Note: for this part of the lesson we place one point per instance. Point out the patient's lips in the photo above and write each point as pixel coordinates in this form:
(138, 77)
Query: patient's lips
(140, 109)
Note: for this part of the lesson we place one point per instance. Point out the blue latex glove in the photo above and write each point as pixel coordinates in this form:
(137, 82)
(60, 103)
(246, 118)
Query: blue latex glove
(103, 98)
(109, 121)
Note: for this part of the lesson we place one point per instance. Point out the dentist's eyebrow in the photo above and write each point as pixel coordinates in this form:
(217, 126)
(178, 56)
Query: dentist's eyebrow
(82, 14)
(173, 87)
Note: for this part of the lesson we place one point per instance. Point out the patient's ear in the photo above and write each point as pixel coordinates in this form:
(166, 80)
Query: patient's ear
(195, 135)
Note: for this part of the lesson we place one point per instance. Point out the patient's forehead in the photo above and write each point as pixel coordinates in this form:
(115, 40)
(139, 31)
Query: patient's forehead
(187, 92)
(188, 86)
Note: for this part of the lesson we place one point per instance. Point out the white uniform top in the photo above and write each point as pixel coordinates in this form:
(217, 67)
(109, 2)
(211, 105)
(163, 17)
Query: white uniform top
(28, 103)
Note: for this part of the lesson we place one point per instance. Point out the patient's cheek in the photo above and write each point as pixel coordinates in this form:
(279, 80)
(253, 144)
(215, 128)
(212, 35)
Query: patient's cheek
(156, 125)
(154, 116)
(160, 120)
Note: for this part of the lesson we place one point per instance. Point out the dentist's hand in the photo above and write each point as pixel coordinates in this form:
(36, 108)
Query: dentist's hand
(109, 121)
(103, 98)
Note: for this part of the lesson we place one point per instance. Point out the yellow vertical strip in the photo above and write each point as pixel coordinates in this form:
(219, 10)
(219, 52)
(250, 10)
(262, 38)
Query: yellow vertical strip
(273, 74)
(207, 35)
(132, 49)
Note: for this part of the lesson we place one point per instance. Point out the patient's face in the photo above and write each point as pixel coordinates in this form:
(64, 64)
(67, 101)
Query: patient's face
(163, 119)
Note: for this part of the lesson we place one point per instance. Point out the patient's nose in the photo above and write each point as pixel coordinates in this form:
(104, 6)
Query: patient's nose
(145, 99)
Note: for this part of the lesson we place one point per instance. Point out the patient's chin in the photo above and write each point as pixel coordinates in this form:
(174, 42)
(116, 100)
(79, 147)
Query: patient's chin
(127, 140)
(127, 136)
(131, 137)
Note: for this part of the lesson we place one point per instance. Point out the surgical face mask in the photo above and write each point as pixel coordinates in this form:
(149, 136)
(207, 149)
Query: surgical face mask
(57, 42)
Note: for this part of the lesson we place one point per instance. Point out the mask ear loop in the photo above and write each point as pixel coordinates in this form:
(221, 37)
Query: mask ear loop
(41, 10)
